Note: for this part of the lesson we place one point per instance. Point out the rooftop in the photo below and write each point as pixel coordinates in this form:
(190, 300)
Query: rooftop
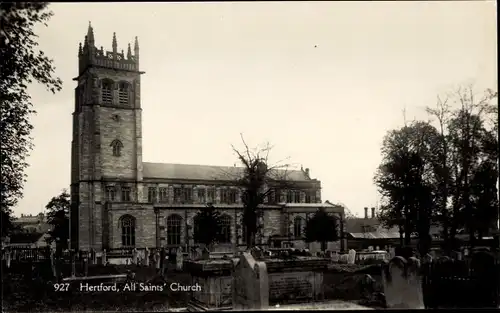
(211, 172)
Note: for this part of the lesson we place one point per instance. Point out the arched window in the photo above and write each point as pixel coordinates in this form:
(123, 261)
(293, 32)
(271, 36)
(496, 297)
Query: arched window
(123, 88)
(297, 227)
(127, 224)
(225, 229)
(174, 222)
(117, 147)
(107, 91)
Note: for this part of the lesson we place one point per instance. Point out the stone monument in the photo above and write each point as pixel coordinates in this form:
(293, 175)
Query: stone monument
(403, 284)
(250, 284)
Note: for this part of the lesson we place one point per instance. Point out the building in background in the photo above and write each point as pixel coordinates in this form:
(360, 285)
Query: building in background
(117, 200)
(32, 223)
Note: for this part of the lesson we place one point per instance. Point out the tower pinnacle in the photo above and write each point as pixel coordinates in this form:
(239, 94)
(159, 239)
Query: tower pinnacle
(115, 45)
(90, 35)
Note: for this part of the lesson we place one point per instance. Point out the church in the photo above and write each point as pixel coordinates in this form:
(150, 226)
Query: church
(120, 201)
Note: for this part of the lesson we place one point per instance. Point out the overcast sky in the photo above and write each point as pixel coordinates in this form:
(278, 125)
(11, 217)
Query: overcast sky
(323, 82)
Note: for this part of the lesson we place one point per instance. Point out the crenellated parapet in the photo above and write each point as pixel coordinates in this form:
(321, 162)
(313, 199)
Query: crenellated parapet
(89, 55)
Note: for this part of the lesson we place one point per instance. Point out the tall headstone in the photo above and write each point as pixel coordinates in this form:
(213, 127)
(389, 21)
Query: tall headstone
(53, 263)
(157, 259)
(104, 257)
(146, 257)
(403, 284)
(351, 258)
(134, 256)
(8, 257)
(250, 284)
(179, 260)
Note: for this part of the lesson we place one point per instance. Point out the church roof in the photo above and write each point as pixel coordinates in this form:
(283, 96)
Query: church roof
(209, 172)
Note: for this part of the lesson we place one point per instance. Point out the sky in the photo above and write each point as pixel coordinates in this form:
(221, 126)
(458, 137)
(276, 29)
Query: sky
(322, 82)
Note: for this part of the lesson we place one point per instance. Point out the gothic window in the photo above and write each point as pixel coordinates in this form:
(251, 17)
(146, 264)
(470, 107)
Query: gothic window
(311, 196)
(225, 229)
(152, 194)
(126, 194)
(211, 194)
(110, 193)
(174, 222)
(128, 230)
(117, 147)
(296, 196)
(123, 88)
(163, 194)
(224, 195)
(297, 227)
(177, 194)
(277, 195)
(187, 194)
(232, 196)
(107, 91)
(201, 196)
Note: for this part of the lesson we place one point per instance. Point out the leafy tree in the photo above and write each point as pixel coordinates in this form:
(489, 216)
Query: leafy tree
(58, 217)
(207, 228)
(21, 65)
(406, 182)
(257, 181)
(322, 227)
(471, 145)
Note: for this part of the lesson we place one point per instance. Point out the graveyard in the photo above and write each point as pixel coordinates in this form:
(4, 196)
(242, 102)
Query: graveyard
(258, 279)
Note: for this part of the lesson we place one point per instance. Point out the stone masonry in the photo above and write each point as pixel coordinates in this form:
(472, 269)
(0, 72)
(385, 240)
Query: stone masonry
(110, 181)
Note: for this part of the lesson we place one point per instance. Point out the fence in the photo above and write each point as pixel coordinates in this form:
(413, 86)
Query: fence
(471, 283)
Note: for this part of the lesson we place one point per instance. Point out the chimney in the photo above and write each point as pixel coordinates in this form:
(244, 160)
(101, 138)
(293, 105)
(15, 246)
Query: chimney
(307, 172)
(373, 212)
(366, 212)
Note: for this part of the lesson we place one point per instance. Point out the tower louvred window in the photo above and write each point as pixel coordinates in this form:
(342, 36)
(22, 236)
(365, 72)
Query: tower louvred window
(107, 92)
(123, 93)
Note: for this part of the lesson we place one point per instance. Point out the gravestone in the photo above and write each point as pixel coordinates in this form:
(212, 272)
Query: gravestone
(392, 253)
(343, 258)
(135, 255)
(179, 259)
(335, 257)
(403, 284)
(53, 263)
(104, 257)
(370, 248)
(146, 257)
(427, 258)
(250, 284)
(157, 259)
(377, 248)
(351, 258)
(256, 252)
(205, 255)
(8, 257)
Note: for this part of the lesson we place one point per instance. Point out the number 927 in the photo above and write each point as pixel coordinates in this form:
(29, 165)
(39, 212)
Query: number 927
(61, 287)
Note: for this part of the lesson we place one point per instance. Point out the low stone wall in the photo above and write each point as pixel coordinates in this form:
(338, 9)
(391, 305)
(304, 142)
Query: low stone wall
(294, 280)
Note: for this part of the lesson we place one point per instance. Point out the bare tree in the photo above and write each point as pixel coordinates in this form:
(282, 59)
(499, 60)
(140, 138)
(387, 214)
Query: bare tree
(258, 181)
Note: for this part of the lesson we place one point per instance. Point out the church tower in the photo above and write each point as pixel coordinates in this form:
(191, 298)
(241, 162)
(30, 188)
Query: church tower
(106, 149)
